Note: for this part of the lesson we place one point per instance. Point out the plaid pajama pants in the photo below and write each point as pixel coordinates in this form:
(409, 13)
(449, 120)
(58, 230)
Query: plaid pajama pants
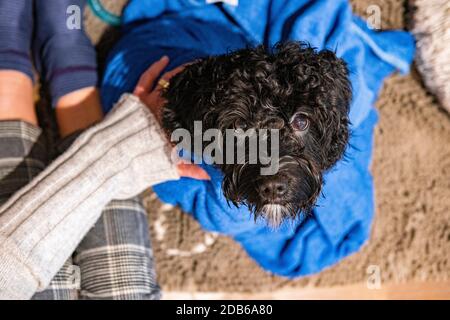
(114, 260)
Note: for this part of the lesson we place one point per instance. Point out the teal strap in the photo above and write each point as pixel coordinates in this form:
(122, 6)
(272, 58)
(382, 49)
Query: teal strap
(99, 10)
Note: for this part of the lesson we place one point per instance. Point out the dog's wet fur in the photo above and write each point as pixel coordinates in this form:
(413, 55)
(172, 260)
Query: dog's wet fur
(292, 87)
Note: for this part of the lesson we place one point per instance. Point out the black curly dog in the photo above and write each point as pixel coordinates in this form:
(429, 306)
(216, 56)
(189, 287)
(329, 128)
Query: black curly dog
(291, 87)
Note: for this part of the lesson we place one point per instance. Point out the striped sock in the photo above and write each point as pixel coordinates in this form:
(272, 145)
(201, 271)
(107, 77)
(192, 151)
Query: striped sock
(63, 53)
(16, 29)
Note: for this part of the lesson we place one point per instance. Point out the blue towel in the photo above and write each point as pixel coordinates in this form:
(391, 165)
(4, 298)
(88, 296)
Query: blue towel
(187, 29)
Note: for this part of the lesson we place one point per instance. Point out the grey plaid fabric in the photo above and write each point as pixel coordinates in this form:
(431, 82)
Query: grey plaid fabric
(114, 260)
(23, 154)
(115, 257)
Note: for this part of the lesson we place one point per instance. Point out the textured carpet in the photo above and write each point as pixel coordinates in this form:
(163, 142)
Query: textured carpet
(430, 23)
(410, 239)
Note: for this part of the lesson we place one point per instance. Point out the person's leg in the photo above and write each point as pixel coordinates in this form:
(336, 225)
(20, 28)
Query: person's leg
(66, 60)
(78, 110)
(75, 111)
(23, 152)
(16, 97)
(23, 149)
(115, 257)
(63, 54)
(23, 155)
(64, 57)
(16, 29)
(16, 70)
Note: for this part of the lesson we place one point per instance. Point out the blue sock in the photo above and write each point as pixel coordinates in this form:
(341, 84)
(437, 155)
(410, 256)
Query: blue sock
(64, 56)
(16, 29)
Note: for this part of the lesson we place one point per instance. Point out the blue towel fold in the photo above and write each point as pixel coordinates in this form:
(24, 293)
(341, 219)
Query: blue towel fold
(187, 29)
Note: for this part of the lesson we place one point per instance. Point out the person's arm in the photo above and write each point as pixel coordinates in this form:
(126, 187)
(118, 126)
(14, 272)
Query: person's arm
(41, 225)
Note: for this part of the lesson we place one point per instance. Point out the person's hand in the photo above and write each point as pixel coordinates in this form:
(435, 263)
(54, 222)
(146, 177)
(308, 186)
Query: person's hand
(152, 98)
(155, 102)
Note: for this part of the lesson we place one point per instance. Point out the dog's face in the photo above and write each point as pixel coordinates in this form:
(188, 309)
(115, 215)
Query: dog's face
(302, 93)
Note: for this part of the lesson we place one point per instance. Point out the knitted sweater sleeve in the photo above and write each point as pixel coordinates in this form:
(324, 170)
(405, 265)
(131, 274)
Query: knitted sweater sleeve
(41, 225)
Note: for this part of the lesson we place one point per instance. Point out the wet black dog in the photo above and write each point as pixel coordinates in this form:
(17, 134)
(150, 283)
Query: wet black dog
(291, 87)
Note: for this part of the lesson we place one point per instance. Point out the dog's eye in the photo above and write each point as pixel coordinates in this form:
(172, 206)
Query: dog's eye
(240, 124)
(300, 122)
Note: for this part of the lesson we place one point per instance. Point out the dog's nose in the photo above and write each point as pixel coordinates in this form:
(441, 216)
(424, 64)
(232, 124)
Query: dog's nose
(273, 189)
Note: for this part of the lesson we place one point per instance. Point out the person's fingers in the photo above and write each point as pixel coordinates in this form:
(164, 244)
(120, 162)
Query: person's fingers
(192, 171)
(155, 101)
(148, 78)
(168, 75)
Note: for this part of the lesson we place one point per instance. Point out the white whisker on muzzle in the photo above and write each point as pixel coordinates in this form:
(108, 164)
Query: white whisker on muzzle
(274, 214)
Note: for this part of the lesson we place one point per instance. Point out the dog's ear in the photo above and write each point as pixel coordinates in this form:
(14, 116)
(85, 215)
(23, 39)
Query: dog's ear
(320, 81)
(333, 97)
(179, 100)
(192, 93)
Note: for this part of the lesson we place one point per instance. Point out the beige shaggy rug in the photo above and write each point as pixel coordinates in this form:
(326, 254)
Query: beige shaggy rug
(410, 238)
(430, 23)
